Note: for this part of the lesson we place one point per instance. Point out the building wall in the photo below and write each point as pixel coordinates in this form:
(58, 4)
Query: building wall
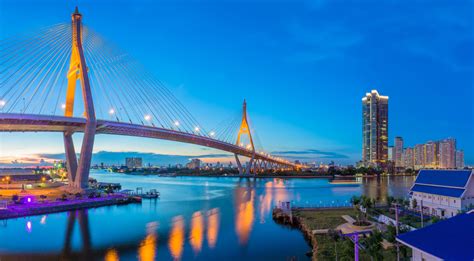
(374, 129)
(399, 152)
(418, 255)
(434, 202)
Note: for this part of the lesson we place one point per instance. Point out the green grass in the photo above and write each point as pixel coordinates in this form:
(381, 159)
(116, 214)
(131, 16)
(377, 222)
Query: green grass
(326, 246)
(322, 219)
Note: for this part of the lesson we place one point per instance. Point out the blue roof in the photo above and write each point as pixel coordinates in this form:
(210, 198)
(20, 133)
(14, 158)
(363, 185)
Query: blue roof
(450, 192)
(452, 178)
(450, 239)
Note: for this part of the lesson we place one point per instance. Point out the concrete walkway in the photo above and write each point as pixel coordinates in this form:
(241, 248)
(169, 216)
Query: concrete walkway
(348, 219)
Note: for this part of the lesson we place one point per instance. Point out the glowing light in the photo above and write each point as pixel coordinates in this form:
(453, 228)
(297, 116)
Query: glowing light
(197, 229)
(176, 123)
(111, 255)
(43, 220)
(245, 215)
(147, 249)
(28, 226)
(212, 227)
(176, 238)
(249, 146)
(111, 111)
(28, 199)
(212, 133)
(147, 117)
(196, 129)
(63, 106)
(2, 103)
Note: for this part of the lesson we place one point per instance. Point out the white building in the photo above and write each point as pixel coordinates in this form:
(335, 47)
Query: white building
(443, 193)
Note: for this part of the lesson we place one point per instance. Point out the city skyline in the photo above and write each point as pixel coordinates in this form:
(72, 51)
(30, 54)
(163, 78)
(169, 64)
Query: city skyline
(309, 125)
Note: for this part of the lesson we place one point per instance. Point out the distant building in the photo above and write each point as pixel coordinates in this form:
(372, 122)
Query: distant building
(133, 163)
(194, 164)
(459, 159)
(447, 153)
(419, 154)
(409, 158)
(391, 154)
(431, 154)
(374, 129)
(443, 193)
(450, 239)
(399, 152)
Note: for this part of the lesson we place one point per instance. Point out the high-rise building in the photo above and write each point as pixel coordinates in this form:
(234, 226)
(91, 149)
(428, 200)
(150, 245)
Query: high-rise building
(391, 155)
(419, 155)
(408, 158)
(374, 129)
(194, 164)
(398, 152)
(459, 159)
(431, 154)
(133, 163)
(447, 153)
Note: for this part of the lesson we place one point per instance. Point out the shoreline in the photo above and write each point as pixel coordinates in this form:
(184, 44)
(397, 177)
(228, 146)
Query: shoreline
(265, 176)
(18, 211)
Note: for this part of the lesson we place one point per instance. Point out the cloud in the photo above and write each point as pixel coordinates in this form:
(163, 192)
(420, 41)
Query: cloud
(107, 157)
(311, 154)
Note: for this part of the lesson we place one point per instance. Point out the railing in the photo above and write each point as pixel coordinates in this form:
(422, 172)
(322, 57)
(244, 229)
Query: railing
(321, 204)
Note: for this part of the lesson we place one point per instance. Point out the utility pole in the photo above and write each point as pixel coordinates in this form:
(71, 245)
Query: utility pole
(421, 212)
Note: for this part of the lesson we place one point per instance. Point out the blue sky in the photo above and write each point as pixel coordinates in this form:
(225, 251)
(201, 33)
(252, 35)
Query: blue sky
(303, 67)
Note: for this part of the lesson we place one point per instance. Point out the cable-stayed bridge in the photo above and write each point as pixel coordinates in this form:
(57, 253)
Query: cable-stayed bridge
(39, 74)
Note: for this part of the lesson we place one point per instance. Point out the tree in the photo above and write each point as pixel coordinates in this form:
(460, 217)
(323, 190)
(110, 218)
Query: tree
(390, 200)
(373, 245)
(334, 234)
(414, 203)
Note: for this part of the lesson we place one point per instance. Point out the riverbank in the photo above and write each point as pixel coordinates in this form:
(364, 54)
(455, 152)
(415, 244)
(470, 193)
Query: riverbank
(320, 229)
(16, 210)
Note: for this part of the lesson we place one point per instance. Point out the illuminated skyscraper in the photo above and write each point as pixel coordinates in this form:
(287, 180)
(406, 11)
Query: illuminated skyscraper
(398, 152)
(419, 155)
(431, 154)
(408, 158)
(459, 159)
(447, 153)
(374, 129)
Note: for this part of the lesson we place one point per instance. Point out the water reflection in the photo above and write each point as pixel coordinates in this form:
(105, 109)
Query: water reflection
(111, 255)
(176, 239)
(197, 230)
(275, 192)
(147, 248)
(118, 232)
(82, 217)
(212, 227)
(244, 205)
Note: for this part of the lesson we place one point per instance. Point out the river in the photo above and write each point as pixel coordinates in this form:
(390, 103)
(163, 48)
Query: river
(202, 218)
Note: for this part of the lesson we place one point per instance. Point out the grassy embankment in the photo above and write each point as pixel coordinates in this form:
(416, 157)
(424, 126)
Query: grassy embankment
(326, 245)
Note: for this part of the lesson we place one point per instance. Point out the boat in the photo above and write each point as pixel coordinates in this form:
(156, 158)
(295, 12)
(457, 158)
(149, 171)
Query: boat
(151, 194)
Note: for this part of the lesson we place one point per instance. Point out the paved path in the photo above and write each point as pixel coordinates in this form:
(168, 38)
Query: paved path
(348, 219)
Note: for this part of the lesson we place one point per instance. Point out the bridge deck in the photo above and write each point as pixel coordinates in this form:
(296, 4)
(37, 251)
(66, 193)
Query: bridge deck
(41, 123)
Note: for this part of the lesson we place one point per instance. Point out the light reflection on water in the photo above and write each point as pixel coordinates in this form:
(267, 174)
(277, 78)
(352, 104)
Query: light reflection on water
(232, 215)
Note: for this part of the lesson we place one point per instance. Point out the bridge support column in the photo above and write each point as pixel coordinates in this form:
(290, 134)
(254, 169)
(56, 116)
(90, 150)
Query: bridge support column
(239, 165)
(71, 159)
(78, 174)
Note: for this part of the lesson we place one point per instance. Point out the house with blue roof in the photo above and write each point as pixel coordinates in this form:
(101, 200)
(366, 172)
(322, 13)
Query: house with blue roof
(450, 239)
(443, 193)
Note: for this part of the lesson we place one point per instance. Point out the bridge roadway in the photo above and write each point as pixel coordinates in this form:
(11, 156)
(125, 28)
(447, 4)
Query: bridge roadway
(14, 122)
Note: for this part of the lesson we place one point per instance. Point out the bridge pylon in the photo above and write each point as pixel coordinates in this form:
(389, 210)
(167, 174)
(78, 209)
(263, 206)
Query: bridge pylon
(78, 172)
(244, 129)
